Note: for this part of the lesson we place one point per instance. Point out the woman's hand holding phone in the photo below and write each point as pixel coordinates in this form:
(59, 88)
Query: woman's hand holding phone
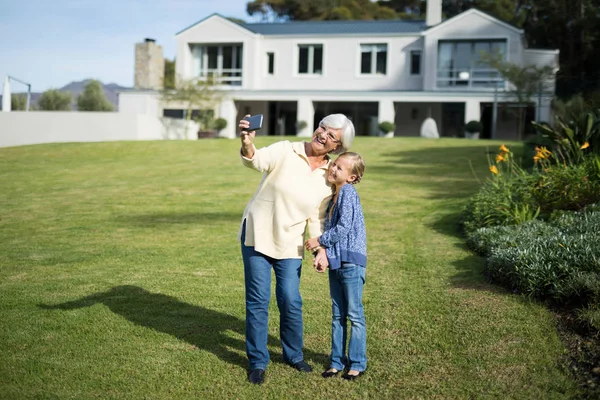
(247, 137)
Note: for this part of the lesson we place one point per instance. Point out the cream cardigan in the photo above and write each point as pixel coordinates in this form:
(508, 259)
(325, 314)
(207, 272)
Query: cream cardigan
(289, 199)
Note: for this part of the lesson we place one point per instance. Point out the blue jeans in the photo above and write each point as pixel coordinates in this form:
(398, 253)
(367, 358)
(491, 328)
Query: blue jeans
(346, 289)
(257, 277)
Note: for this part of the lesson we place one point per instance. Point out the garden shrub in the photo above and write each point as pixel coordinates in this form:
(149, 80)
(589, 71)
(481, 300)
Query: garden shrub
(567, 188)
(501, 201)
(557, 260)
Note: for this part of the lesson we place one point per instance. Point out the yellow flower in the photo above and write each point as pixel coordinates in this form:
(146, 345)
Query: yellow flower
(504, 149)
(494, 170)
(536, 158)
(500, 157)
(585, 146)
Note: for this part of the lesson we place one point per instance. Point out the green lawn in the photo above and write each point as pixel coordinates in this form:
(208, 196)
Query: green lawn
(121, 278)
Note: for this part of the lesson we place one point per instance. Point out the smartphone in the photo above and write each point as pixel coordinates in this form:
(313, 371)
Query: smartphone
(256, 122)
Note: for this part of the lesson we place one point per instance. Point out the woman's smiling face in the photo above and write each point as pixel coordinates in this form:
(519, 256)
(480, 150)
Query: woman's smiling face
(326, 139)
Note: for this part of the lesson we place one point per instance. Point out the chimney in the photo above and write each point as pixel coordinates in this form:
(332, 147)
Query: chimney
(434, 12)
(149, 65)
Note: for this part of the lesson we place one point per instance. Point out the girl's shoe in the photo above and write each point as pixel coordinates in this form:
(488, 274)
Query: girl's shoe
(348, 377)
(330, 373)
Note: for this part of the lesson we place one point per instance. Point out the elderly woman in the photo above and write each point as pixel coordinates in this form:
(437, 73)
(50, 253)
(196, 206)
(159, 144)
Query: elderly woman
(292, 196)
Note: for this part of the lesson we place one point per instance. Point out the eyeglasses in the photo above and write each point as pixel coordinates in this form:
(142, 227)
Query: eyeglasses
(330, 136)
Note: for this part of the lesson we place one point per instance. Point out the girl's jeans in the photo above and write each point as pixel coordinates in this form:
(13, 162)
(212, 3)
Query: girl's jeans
(346, 289)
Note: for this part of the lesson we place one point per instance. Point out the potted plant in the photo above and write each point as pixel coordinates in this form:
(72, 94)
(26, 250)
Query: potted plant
(220, 124)
(300, 126)
(473, 129)
(387, 128)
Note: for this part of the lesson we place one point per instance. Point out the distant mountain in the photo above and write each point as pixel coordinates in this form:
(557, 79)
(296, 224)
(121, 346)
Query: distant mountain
(76, 88)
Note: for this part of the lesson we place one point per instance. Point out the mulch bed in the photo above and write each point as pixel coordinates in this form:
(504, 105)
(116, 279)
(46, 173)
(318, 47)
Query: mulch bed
(583, 351)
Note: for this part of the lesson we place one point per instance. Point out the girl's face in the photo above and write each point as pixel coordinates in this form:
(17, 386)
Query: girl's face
(340, 172)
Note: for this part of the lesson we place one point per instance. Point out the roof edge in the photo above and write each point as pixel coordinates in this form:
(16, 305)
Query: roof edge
(209, 17)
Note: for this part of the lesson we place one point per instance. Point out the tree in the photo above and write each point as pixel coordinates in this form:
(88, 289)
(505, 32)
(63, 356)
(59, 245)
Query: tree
(169, 78)
(319, 10)
(93, 98)
(18, 102)
(527, 81)
(199, 98)
(55, 100)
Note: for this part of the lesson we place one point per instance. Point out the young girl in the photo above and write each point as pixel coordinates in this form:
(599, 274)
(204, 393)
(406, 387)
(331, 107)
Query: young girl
(345, 241)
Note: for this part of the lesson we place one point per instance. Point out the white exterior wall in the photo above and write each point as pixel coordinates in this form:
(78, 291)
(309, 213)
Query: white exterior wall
(341, 64)
(140, 102)
(23, 128)
(470, 25)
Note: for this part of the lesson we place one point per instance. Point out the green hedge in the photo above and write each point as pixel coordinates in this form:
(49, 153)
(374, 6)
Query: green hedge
(514, 199)
(557, 260)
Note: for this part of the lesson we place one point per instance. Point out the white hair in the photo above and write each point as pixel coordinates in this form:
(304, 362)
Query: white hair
(340, 121)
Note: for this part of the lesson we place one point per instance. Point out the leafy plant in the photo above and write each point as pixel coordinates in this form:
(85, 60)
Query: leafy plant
(18, 101)
(93, 98)
(526, 81)
(387, 127)
(199, 98)
(474, 127)
(55, 100)
(556, 260)
(575, 137)
(220, 123)
(300, 125)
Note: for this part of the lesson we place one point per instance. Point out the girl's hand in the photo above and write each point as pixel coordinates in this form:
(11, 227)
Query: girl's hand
(321, 262)
(312, 243)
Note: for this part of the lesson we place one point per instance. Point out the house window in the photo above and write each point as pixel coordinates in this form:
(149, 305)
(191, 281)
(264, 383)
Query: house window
(373, 58)
(459, 63)
(270, 63)
(415, 62)
(221, 61)
(310, 59)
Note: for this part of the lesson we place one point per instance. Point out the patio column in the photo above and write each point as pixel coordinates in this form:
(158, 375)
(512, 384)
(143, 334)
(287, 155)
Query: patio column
(387, 112)
(306, 113)
(228, 110)
(472, 111)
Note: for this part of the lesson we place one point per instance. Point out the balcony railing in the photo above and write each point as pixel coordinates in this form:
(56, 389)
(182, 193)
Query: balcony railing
(478, 78)
(225, 76)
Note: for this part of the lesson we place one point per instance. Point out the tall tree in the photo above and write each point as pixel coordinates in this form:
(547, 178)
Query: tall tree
(306, 10)
(573, 27)
(169, 77)
(18, 101)
(93, 98)
(55, 100)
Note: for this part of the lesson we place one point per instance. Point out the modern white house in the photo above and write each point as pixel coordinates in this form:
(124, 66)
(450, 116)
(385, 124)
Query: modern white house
(373, 71)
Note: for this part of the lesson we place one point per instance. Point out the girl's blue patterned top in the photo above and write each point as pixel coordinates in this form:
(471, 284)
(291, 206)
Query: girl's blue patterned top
(345, 236)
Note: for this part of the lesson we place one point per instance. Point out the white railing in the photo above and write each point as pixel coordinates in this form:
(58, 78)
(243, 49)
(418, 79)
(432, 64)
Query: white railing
(476, 78)
(224, 76)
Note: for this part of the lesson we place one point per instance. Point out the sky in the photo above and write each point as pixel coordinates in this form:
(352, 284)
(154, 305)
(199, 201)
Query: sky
(50, 43)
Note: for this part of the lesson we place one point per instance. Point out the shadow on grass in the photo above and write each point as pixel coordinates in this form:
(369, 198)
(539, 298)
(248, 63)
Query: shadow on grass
(449, 225)
(447, 173)
(199, 326)
(174, 218)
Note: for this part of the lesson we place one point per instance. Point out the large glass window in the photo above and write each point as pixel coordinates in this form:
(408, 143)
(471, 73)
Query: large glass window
(459, 63)
(310, 59)
(224, 62)
(373, 58)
